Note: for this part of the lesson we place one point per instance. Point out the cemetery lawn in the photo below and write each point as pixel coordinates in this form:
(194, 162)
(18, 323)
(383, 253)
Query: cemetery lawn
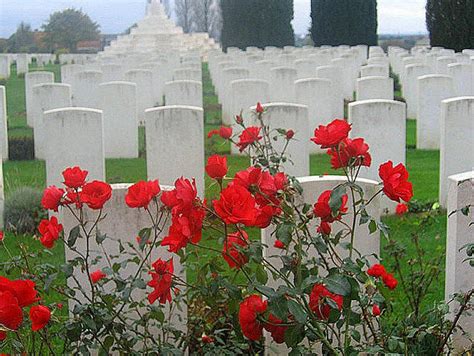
(422, 165)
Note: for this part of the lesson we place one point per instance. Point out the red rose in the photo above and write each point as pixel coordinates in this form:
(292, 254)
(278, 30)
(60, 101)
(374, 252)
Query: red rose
(248, 136)
(140, 194)
(183, 197)
(264, 216)
(259, 108)
(98, 275)
(224, 132)
(332, 134)
(185, 227)
(395, 182)
(324, 228)
(233, 245)
(216, 166)
(256, 181)
(23, 290)
(49, 230)
(376, 271)
(74, 177)
(318, 301)
(350, 153)
(281, 181)
(207, 339)
(375, 310)
(162, 279)
(95, 194)
(249, 310)
(52, 198)
(3, 336)
(290, 134)
(401, 209)
(236, 205)
(277, 331)
(390, 281)
(11, 315)
(279, 244)
(39, 316)
(323, 210)
(1, 236)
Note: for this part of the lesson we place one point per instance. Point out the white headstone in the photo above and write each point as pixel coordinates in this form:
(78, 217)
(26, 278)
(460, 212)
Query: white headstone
(334, 75)
(3, 125)
(290, 117)
(32, 79)
(85, 89)
(175, 144)
(47, 97)
(368, 88)
(305, 68)
(459, 276)
(68, 72)
(462, 75)
(410, 90)
(118, 102)
(432, 90)
(75, 138)
(374, 71)
(4, 67)
(187, 74)
(184, 92)
(282, 84)
(145, 95)
(457, 143)
(22, 62)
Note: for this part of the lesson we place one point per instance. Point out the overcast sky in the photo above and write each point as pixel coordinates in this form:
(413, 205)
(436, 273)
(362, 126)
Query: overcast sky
(114, 16)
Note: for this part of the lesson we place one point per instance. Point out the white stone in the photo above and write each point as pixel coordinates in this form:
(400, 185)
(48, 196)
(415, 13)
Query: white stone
(85, 89)
(75, 138)
(118, 102)
(4, 67)
(32, 79)
(175, 144)
(382, 124)
(47, 97)
(410, 90)
(316, 95)
(187, 74)
(334, 75)
(462, 75)
(368, 88)
(111, 72)
(459, 276)
(344, 69)
(432, 90)
(244, 94)
(145, 94)
(69, 71)
(3, 127)
(442, 64)
(22, 62)
(122, 224)
(367, 244)
(457, 143)
(294, 117)
(228, 76)
(184, 92)
(305, 68)
(282, 84)
(374, 71)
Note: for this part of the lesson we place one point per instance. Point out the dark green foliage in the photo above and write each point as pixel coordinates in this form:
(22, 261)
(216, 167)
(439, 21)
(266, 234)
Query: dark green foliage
(257, 23)
(23, 211)
(22, 41)
(65, 28)
(451, 23)
(344, 22)
(21, 149)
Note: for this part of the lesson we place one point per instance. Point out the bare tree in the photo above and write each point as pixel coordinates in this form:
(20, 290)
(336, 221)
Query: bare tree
(184, 14)
(207, 17)
(167, 6)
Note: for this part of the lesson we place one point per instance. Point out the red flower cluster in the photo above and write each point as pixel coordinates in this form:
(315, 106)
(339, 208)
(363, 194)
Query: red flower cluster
(49, 230)
(318, 301)
(395, 182)
(141, 194)
(378, 271)
(94, 194)
(350, 153)
(331, 135)
(401, 209)
(16, 295)
(224, 132)
(187, 215)
(251, 198)
(162, 279)
(97, 276)
(323, 211)
(251, 317)
(216, 166)
(231, 250)
(248, 136)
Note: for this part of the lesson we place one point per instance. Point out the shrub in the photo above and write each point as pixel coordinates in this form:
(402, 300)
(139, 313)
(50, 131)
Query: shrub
(23, 211)
(21, 149)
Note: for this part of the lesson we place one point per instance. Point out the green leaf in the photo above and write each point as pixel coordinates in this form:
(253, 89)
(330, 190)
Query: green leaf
(372, 226)
(73, 235)
(144, 235)
(99, 237)
(294, 335)
(338, 284)
(284, 232)
(261, 274)
(297, 311)
(279, 307)
(335, 201)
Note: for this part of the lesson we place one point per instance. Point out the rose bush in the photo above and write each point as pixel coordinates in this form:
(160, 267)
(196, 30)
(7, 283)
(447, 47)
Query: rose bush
(310, 297)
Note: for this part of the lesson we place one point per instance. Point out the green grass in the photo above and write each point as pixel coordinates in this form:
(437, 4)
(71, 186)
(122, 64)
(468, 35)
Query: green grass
(422, 165)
